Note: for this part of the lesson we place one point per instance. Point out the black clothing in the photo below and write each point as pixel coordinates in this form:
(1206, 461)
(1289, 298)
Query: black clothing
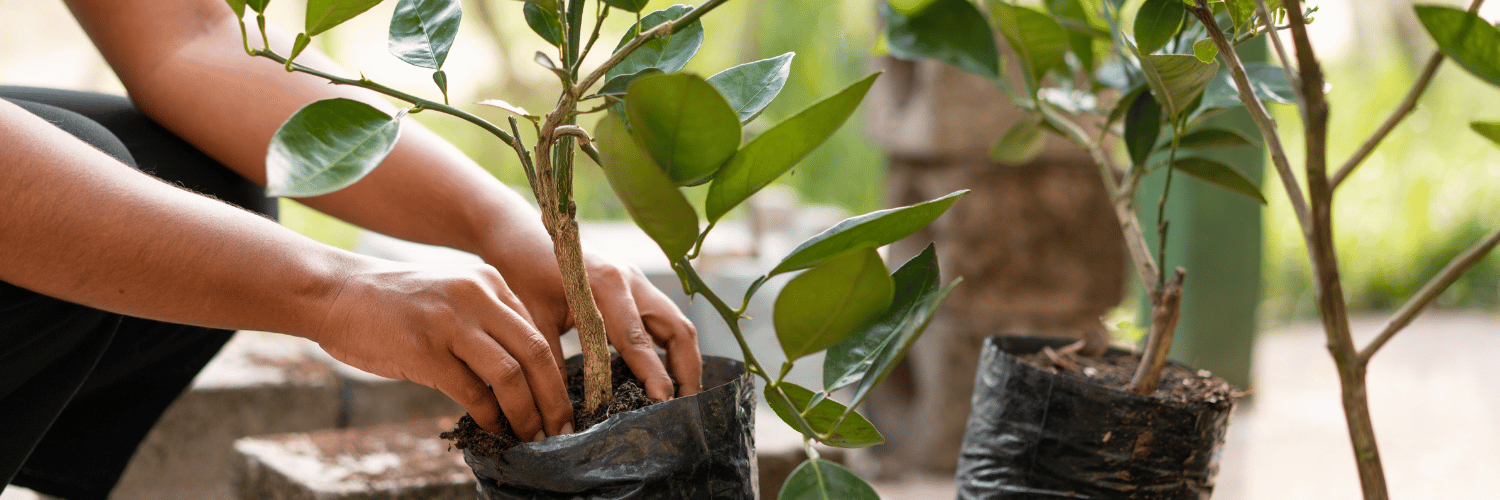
(80, 387)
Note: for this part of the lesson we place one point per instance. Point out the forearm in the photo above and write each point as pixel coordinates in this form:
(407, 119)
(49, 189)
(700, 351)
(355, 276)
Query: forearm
(78, 225)
(187, 69)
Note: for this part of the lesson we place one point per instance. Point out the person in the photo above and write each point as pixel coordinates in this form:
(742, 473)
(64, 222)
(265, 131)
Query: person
(119, 284)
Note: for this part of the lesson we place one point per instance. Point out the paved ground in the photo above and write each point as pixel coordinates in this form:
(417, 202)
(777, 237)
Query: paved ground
(1435, 409)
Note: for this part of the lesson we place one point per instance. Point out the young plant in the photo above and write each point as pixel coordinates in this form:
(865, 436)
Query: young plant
(1167, 87)
(661, 130)
(1176, 50)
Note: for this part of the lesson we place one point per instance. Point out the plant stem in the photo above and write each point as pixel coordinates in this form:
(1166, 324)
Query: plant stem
(1166, 307)
(1332, 307)
(1429, 292)
(731, 317)
(1121, 197)
(662, 29)
(1407, 105)
(1286, 63)
(414, 100)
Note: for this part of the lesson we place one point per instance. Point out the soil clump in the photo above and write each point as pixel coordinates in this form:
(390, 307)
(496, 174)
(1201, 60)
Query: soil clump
(629, 395)
(1179, 386)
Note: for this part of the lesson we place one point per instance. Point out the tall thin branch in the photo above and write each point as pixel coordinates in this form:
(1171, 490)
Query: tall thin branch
(1407, 105)
(1430, 292)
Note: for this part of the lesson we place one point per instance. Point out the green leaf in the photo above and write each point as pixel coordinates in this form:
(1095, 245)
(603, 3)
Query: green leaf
(830, 302)
(905, 335)
(258, 5)
(328, 145)
(1215, 138)
(751, 86)
(1177, 79)
(649, 196)
(1205, 50)
(238, 6)
(620, 84)
(950, 31)
(1490, 130)
(774, 152)
(819, 479)
(854, 432)
(422, 31)
(1466, 38)
(871, 230)
(684, 124)
(1037, 38)
(1021, 143)
(1219, 174)
(1157, 22)
(323, 15)
(667, 53)
(1240, 11)
(1266, 81)
(1142, 127)
(880, 347)
(544, 23)
(910, 7)
(628, 5)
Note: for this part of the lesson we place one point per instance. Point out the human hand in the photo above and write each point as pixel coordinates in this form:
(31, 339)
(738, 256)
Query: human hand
(637, 317)
(458, 329)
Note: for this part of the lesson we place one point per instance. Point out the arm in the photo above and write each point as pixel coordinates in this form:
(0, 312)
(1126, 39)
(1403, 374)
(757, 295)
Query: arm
(77, 225)
(178, 57)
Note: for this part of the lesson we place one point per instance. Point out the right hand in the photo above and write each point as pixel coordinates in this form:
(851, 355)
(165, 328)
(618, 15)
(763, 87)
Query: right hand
(458, 329)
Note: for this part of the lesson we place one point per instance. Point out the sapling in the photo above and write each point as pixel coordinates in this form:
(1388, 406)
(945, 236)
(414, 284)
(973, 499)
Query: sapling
(1162, 93)
(1177, 50)
(661, 130)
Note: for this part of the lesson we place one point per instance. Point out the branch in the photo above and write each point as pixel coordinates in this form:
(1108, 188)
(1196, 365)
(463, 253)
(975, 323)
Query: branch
(662, 29)
(1258, 113)
(1286, 63)
(1429, 292)
(1408, 105)
(414, 100)
(1122, 198)
(1166, 308)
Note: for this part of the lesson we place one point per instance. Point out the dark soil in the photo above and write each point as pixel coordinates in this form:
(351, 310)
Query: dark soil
(1178, 385)
(629, 395)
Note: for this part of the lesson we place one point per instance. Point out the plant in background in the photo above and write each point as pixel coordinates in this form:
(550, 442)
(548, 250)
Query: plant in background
(1075, 59)
(1177, 65)
(661, 131)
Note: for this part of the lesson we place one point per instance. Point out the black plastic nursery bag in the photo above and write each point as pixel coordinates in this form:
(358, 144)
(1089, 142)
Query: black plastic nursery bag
(700, 446)
(1037, 435)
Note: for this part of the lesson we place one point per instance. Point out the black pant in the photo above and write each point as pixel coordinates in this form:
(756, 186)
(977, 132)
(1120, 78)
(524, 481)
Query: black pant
(80, 387)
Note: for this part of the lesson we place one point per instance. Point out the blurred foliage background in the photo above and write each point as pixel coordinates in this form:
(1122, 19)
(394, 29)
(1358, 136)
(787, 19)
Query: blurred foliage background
(1431, 190)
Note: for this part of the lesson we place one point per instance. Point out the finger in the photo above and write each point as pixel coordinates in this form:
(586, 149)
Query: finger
(673, 332)
(622, 323)
(553, 334)
(507, 380)
(537, 356)
(464, 387)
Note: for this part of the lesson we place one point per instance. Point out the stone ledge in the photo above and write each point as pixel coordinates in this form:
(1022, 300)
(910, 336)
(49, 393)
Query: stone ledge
(386, 462)
(260, 383)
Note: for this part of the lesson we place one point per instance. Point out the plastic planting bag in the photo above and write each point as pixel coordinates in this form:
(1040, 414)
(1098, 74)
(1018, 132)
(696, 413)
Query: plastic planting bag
(1037, 435)
(700, 446)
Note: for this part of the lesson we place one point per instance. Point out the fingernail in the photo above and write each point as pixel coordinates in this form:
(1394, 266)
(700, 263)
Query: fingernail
(540, 435)
(567, 428)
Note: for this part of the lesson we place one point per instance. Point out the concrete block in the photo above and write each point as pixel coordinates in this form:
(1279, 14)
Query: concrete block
(260, 383)
(386, 462)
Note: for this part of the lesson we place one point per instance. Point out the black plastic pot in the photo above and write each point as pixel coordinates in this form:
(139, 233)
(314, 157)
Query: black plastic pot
(701, 446)
(1037, 435)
